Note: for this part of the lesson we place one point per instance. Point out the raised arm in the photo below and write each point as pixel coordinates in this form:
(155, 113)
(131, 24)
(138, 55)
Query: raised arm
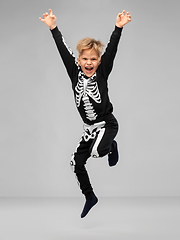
(66, 53)
(111, 49)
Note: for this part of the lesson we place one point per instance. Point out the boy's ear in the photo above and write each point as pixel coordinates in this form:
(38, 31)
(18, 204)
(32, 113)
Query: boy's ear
(78, 61)
(99, 62)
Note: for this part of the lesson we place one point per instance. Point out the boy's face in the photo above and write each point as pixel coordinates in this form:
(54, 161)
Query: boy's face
(89, 61)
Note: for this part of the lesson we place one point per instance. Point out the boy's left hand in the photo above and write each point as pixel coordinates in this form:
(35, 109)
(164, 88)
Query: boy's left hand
(122, 19)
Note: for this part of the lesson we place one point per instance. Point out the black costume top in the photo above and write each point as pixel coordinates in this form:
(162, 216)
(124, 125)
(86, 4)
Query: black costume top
(91, 93)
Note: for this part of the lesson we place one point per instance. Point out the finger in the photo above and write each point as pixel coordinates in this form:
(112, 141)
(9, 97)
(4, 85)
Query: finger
(41, 19)
(44, 15)
(127, 13)
(51, 13)
(53, 16)
(47, 14)
(120, 14)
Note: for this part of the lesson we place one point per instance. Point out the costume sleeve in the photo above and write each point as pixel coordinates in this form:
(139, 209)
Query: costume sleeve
(107, 58)
(65, 52)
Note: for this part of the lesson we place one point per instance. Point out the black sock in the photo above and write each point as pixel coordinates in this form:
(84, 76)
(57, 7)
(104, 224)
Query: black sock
(91, 200)
(113, 155)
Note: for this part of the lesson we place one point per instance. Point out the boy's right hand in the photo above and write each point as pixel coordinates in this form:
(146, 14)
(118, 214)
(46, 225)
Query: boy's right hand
(49, 19)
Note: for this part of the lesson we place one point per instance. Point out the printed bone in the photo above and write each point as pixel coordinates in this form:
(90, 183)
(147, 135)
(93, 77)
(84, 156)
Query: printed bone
(86, 88)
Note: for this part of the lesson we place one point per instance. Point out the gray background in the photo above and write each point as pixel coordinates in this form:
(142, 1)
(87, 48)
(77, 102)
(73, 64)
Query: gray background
(40, 126)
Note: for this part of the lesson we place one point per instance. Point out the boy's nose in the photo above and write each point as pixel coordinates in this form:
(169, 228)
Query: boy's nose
(88, 61)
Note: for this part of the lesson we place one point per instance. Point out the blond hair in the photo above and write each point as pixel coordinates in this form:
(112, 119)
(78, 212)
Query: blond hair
(90, 43)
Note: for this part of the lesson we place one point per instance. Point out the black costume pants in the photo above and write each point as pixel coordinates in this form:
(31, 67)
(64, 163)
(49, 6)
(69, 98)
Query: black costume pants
(97, 141)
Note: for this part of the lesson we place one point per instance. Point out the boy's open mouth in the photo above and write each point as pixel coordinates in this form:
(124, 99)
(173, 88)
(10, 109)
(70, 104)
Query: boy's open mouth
(89, 69)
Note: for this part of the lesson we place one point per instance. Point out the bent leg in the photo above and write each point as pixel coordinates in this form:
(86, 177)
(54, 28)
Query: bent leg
(103, 144)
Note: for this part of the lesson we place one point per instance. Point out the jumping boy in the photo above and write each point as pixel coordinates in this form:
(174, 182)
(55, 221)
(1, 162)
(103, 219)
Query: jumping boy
(89, 75)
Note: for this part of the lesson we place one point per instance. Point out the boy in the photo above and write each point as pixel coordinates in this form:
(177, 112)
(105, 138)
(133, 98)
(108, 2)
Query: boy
(89, 76)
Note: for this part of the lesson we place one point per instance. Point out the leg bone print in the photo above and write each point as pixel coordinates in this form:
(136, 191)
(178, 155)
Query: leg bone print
(84, 89)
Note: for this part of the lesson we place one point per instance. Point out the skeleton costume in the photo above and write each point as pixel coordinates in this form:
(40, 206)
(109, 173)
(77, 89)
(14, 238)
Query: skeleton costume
(93, 104)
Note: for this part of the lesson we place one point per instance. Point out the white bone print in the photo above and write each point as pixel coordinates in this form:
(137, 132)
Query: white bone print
(84, 89)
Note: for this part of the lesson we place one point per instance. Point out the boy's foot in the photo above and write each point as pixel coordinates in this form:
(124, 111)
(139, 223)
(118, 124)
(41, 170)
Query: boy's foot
(90, 202)
(113, 156)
